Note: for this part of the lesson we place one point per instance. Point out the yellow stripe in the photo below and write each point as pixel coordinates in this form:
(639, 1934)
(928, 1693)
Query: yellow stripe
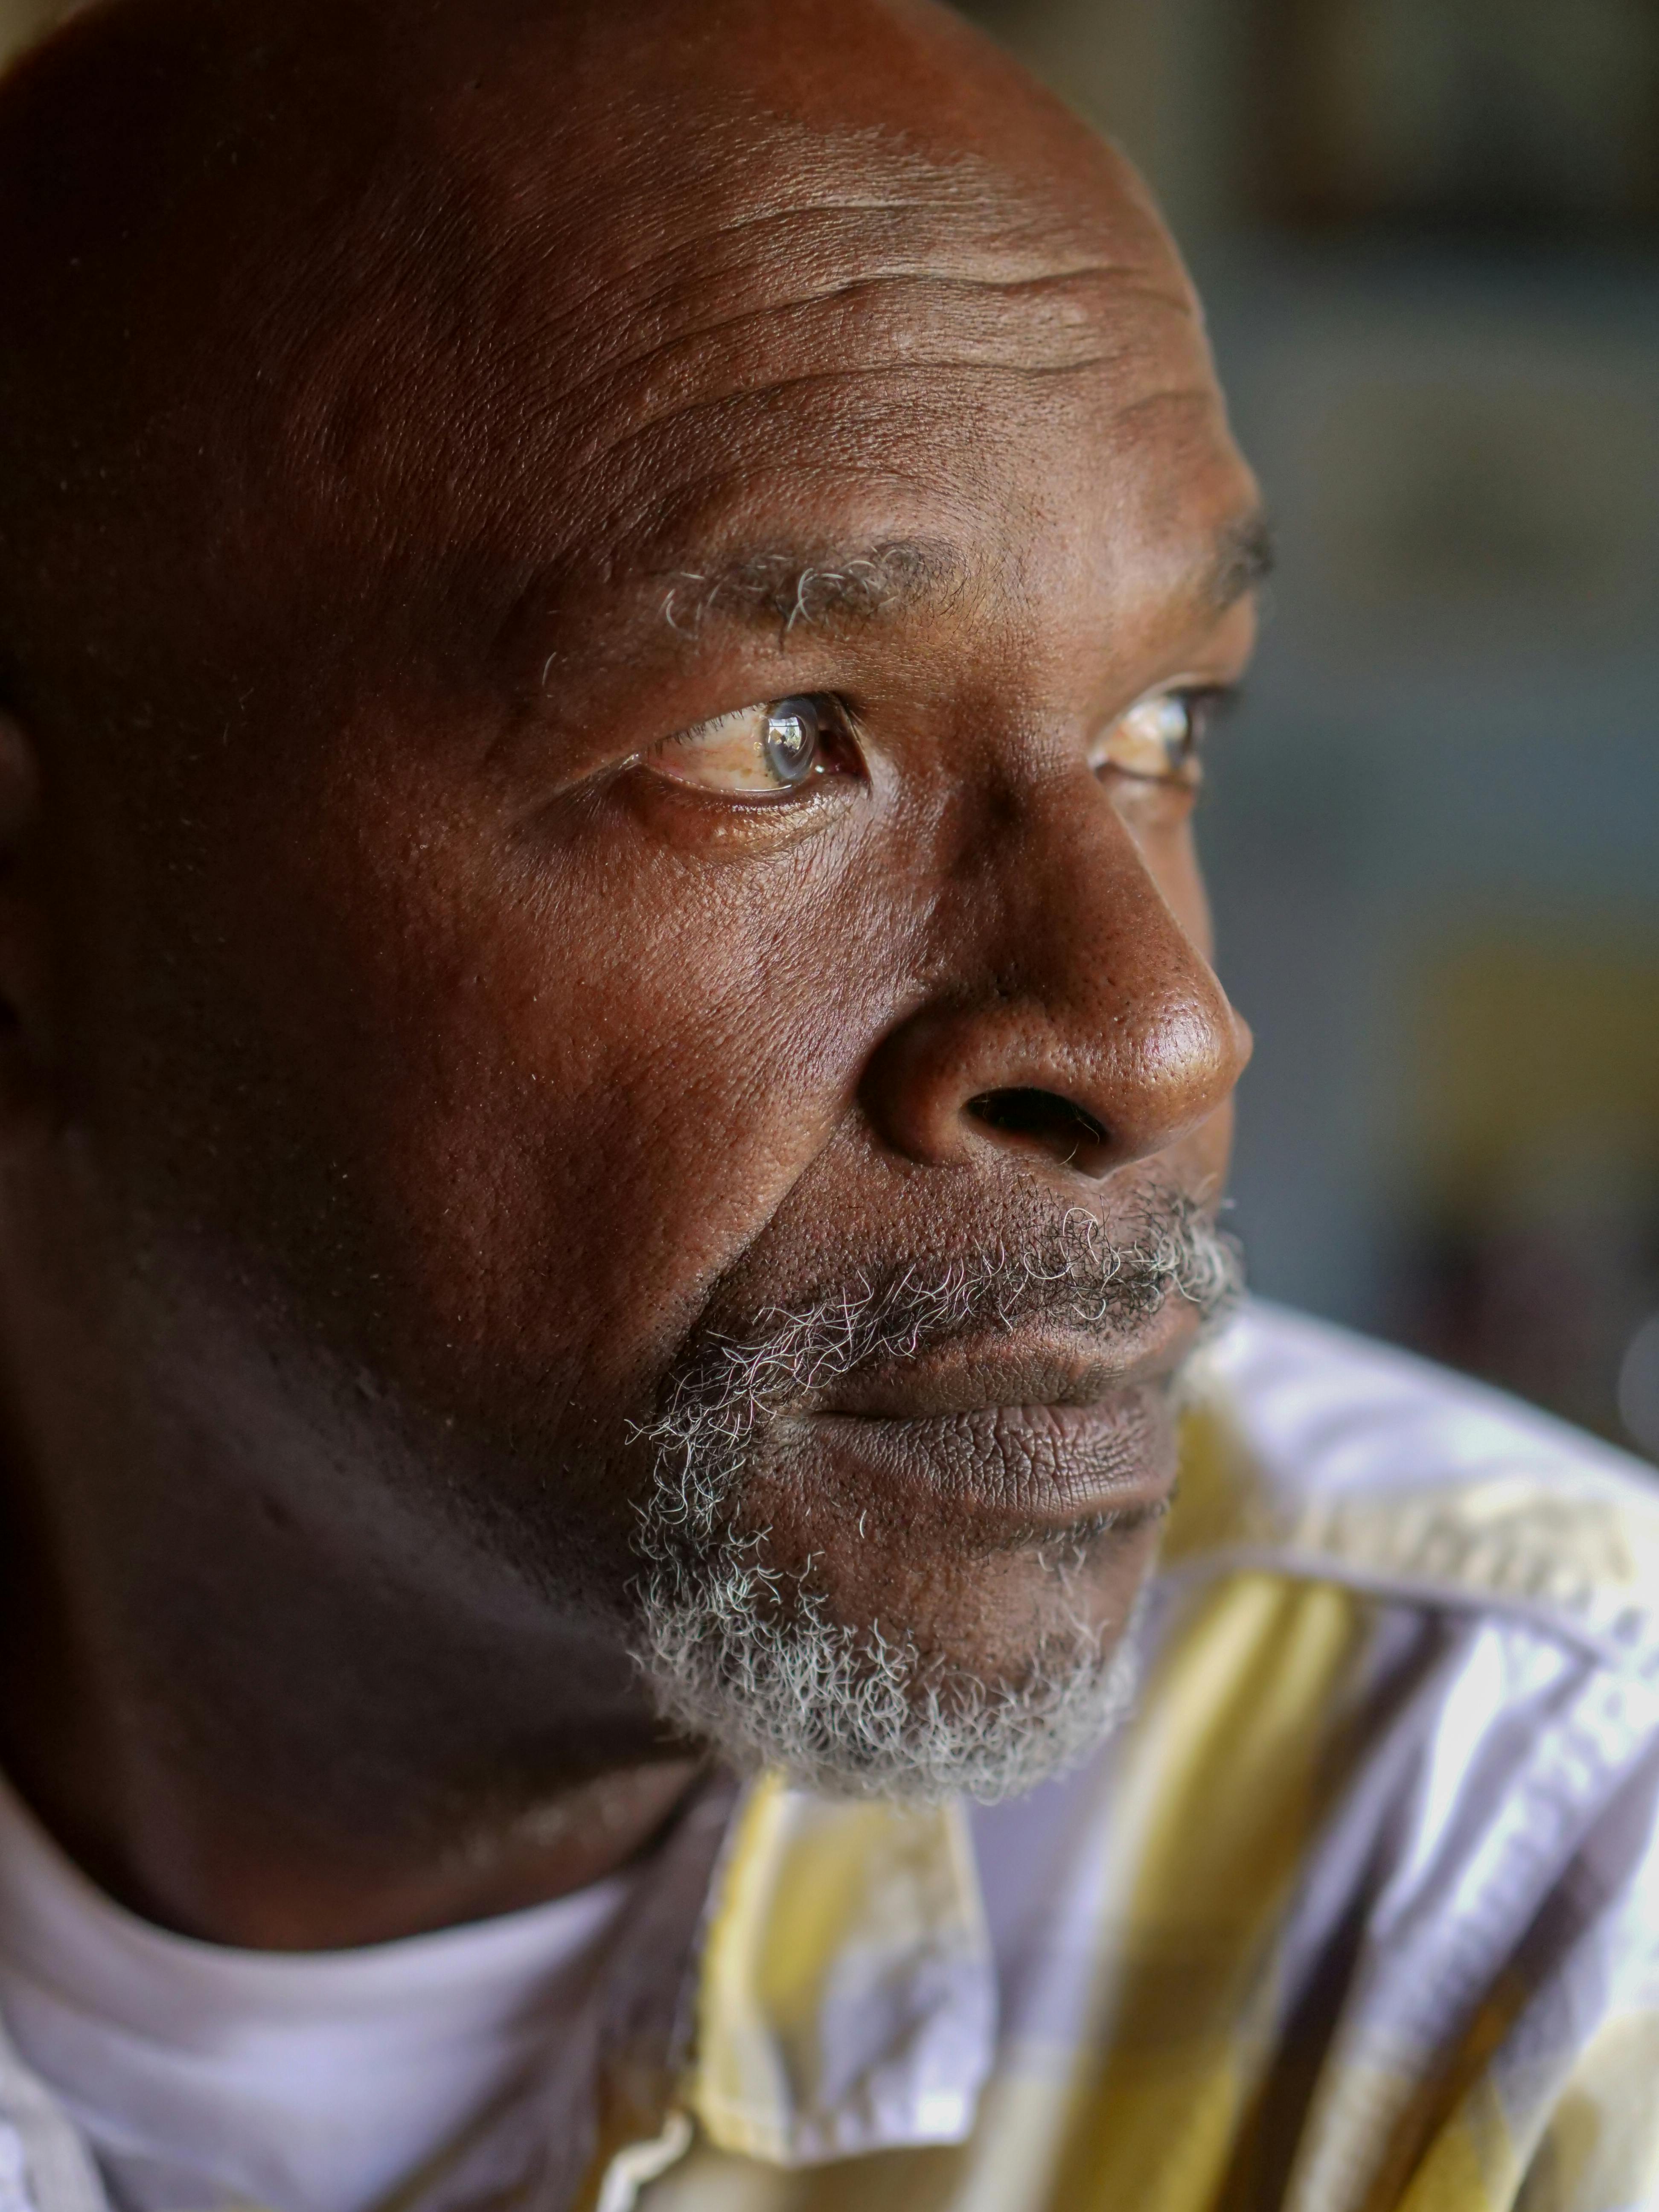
(1471, 2165)
(1219, 1501)
(1231, 1760)
(1600, 2147)
(807, 1882)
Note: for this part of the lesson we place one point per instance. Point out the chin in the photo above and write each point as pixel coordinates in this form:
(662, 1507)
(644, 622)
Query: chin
(980, 1679)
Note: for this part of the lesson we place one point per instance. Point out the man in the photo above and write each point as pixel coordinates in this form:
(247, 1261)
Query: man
(614, 1108)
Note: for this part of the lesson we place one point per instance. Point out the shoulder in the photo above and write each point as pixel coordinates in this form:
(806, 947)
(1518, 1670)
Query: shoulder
(1401, 1672)
(1325, 1455)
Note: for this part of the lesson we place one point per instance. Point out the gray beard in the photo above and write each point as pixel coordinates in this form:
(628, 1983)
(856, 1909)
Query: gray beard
(749, 1660)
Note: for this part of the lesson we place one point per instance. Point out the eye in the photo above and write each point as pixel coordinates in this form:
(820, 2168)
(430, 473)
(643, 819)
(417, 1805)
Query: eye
(765, 751)
(1158, 739)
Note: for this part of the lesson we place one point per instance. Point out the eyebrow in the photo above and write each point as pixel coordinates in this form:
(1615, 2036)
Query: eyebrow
(1243, 561)
(899, 575)
(895, 575)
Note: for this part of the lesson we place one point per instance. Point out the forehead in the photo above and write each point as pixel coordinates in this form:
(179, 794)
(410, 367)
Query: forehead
(927, 350)
(757, 328)
(491, 303)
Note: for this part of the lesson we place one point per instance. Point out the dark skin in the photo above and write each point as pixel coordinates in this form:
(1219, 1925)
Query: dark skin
(416, 423)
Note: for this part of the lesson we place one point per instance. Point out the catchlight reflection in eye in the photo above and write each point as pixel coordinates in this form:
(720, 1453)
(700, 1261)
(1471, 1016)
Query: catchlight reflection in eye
(1158, 739)
(767, 750)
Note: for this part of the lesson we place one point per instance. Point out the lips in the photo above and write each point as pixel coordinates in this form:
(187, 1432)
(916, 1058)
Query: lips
(1016, 1431)
(1041, 1467)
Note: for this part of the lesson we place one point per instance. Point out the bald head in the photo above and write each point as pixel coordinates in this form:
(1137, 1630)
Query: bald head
(355, 319)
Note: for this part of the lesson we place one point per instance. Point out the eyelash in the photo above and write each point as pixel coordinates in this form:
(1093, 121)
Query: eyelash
(1208, 704)
(1202, 704)
(821, 721)
(1140, 748)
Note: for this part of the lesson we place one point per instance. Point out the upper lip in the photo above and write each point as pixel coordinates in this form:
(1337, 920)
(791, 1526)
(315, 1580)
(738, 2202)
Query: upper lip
(1024, 1365)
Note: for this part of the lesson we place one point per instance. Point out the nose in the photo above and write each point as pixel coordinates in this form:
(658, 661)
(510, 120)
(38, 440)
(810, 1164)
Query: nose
(1074, 1021)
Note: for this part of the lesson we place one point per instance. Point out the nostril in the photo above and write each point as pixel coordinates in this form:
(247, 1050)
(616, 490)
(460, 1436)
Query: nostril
(1042, 1120)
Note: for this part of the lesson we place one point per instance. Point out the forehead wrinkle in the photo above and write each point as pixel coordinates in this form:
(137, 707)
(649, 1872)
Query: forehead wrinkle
(890, 373)
(549, 341)
(806, 182)
(1198, 394)
(1074, 342)
(1033, 284)
(888, 284)
(907, 327)
(743, 226)
(966, 225)
(620, 329)
(994, 236)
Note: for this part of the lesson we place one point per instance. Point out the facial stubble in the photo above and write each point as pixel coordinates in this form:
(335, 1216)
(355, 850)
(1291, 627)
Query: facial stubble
(752, 1659)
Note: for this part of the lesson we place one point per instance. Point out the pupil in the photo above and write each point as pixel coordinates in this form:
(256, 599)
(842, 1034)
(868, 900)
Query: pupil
(791, 734)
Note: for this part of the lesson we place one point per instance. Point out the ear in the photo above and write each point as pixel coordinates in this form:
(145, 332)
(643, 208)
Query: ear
(26, 1112)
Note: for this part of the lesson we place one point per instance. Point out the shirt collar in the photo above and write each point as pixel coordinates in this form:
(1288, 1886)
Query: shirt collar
(848, 1995)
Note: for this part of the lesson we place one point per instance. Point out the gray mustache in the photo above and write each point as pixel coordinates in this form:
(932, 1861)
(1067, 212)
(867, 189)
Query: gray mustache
(731, 1384)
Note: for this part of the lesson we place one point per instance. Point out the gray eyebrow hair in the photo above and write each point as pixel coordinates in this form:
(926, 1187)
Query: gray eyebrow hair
(786, 587)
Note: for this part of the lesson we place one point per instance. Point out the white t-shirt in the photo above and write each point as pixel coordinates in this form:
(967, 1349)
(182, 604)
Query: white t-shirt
(308, 2082)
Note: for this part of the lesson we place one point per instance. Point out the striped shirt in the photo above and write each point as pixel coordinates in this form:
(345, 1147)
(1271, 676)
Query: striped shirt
(1359, 1913)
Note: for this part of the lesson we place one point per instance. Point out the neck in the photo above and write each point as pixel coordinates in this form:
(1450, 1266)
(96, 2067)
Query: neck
(238, 1850)
(195, 1861)
(264, 1746)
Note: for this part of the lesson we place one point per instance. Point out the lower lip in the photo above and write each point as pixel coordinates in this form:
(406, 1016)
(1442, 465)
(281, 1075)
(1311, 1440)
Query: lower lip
(1037, 1464)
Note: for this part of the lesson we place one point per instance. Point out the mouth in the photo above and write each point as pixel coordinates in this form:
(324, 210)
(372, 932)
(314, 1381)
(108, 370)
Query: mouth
(1027, 1437)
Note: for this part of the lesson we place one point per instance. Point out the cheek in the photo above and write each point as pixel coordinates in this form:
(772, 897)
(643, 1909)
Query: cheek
(1201, 1160)
(576, 1098)
(1171, 856)
(1206, 1155)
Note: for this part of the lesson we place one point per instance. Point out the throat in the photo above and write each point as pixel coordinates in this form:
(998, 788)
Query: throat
(207, 2073)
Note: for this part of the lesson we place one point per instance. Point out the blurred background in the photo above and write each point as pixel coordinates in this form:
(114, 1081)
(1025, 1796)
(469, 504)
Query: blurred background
(1428, 234)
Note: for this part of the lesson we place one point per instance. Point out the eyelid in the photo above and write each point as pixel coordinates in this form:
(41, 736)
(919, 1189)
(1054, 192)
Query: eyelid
(743, 732)
(1116, 749)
